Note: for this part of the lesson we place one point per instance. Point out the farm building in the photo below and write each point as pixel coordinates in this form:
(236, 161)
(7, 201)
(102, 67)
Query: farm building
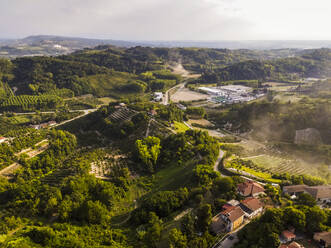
(2, 139)
(320, 193)
(309, 136)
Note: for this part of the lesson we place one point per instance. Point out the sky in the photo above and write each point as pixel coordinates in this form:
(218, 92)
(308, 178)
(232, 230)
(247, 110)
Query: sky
(168, 19)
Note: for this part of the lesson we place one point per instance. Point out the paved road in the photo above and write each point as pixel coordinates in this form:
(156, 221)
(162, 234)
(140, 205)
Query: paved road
(86, 112)
(218, 161)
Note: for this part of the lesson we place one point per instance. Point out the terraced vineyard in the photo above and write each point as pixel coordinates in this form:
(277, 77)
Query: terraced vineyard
(280, 165)
(122, 114)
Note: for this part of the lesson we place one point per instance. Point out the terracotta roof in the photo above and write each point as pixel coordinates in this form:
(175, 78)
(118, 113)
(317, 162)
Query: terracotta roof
(249, 188)
(252, 203)
(288, 235)
(323, 191)
(294, 245)
(2, 138)
(227, 206)
(227, 209)
(233, 214)
(295, 188)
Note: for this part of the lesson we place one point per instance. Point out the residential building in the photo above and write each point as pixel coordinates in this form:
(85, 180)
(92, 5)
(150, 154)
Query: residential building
(158, 96)
(233, 217)
(293, 244)
(323, 238)
(321, 193)
(250, 188)
(252, 207)
(288, 236)
(2, 139)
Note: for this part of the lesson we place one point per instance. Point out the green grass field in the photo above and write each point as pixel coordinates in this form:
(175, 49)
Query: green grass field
(180, 127)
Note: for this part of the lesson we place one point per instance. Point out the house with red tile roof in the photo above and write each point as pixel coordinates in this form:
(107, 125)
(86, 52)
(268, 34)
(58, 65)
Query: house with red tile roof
(288, 236)
(293, 244)
(233, 217)
(250, 188)
(251, 206)
(2, 139)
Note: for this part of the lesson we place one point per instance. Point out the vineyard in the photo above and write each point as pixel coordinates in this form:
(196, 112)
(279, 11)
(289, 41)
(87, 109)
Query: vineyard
(122, 114)
(278, 165)
(5, 90)
(30, 103)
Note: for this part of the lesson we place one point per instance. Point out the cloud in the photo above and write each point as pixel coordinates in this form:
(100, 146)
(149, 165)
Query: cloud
(167, 19)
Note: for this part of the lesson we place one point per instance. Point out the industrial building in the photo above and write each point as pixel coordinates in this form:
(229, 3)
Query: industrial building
(230, 94)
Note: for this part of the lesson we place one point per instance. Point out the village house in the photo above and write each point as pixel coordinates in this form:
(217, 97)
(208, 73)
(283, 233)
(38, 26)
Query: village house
(44, 125)
(288, 236)
(252, 207)
(158, 96)
(321, 193)
(293, 244)
(323, 238)
(250, 188)
(2, 139)
(233, 217)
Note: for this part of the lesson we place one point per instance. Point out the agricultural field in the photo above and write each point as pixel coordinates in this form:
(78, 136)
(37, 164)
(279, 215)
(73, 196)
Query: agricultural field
(180, 127)
(29, 102)
(281, 165)
(200, 122)
(280, 87)
(186, 95)
(288, 97)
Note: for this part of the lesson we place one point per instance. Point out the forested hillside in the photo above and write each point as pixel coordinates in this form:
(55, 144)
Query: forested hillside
(316, 63)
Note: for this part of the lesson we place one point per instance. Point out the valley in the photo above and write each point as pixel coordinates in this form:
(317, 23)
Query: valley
(127, 147)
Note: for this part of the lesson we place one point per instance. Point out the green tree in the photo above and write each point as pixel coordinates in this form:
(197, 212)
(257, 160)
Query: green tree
(315, 217)
(148, 151)
(177, 239)
(294, 217)
(306, 199)
(204, 215)
(153, 234)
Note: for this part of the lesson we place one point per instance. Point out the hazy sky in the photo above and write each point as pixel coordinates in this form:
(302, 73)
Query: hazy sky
(168, 19)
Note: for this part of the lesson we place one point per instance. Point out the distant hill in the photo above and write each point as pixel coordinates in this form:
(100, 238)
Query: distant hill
(58, 45)
(48, 45)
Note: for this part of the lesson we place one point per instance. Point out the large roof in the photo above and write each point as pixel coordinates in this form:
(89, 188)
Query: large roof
(250, 188)
(292, 245)
(287, 234)
(319, 192)
(233, 213)
(252, 203)
(295, 188)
